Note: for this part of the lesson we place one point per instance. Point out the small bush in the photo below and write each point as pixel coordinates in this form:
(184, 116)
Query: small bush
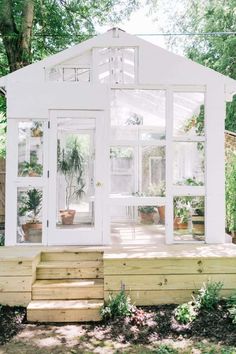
(165, 349)
(208, 296)
(117, 306)
(2, 239)
(231, 302)
(186, 313)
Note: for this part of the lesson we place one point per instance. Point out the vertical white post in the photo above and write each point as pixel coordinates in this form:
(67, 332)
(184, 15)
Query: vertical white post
(10, 187)
(215, 169)
(169, 167)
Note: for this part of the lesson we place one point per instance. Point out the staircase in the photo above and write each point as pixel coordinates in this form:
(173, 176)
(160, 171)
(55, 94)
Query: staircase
(69, 287)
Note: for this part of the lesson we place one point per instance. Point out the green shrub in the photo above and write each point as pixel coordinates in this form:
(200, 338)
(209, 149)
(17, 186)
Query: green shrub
(2, 239)
(231, 302)
(117, 306)
(185, 313)
(230, 192)
(165, 349)
(208, 296)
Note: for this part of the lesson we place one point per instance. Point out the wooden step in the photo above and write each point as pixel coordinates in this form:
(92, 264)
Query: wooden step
(64, 311)
(70, 270)
(68, 289)
(65, 256)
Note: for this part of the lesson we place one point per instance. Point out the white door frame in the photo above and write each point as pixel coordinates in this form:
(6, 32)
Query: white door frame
(78, 236)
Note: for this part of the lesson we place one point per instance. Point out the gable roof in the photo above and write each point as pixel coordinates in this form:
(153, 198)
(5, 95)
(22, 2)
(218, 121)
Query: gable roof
(117, 37)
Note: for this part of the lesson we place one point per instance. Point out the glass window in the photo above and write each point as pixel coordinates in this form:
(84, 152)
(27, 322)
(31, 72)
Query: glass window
(188, 114)
(189, 218)
(75, 175)
(116, 65)
(122, 170)
(138, 114)
(153, 171)
(188, 163)
(29, 215)
(30, 149)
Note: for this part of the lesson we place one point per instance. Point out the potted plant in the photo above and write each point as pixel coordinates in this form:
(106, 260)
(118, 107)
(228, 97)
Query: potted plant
(181, 213)
(32, 168)
(30, 207)
(158, 190)
(71, 165)
(198, 219)
(36, 130)
(147, 214)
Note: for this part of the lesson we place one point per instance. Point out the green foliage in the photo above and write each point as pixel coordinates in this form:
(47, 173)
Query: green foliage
(3, 127)
(208, 296)
(165, 349)
(147, 209)
(71, 163)
(230, 193)
(186, 313)
(231, 302)
(31, 202)
(2, 241)
(117, 306)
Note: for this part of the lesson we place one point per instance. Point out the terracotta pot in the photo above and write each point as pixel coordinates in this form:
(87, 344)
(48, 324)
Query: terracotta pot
(67, 216)
(162, 213)
(30, 226)
(33, 174)
(233, 234)
(178, 225)
(198, 222)
(147, 218)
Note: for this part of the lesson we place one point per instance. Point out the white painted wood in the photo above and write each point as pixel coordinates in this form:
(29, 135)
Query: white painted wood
(215, 179)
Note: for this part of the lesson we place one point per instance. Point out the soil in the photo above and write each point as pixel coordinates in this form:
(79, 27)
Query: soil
(147, 328)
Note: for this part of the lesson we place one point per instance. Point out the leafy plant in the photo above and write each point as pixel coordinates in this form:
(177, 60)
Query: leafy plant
(165, 349)
(208, 296)
(186, 313)
(157, 189)
(231, 303)
(182, 207)
(31, 202)
(70, 162)
(147, 209)
(230, 195)
(117, 306)
(33, 167)
(2, 239)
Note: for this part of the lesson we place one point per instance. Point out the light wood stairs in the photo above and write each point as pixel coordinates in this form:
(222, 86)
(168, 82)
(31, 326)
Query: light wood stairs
(69, 287)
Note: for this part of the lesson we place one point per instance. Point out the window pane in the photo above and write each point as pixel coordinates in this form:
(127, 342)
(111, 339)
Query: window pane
(75, 175)
(188, 113)
(136, 224)
(153, 171)
(29, 215)
(140, 114)
(189, 218)
(122, 170)
(30, 149)
(116, 65)
(188, 163)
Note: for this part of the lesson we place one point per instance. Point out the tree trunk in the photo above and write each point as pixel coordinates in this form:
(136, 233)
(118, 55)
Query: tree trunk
(17, 41)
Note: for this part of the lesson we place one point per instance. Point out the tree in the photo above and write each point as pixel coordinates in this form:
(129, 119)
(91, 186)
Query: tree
(214, 51)
(33, 29)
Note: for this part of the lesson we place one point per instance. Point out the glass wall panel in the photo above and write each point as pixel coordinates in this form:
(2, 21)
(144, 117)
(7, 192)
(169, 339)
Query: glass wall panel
(29, 215)
(153, 171)
(189, 218)
(138, 114)
(75, 175)
(116, 65)
(122, 170)
(30, 149)
(188, 163)
(136, 224)
(188, 114)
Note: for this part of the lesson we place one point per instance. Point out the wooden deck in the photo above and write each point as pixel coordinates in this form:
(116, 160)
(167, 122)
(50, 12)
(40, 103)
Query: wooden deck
(165, 274)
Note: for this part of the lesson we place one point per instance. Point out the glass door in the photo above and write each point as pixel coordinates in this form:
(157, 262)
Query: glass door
(75, 179)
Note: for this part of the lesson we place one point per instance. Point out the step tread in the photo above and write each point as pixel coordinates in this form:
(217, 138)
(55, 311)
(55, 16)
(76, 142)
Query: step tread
(65, 265)
(64, 304)
(68, 283)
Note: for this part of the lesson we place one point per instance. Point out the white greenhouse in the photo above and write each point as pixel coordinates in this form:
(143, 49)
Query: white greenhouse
(115, 141)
